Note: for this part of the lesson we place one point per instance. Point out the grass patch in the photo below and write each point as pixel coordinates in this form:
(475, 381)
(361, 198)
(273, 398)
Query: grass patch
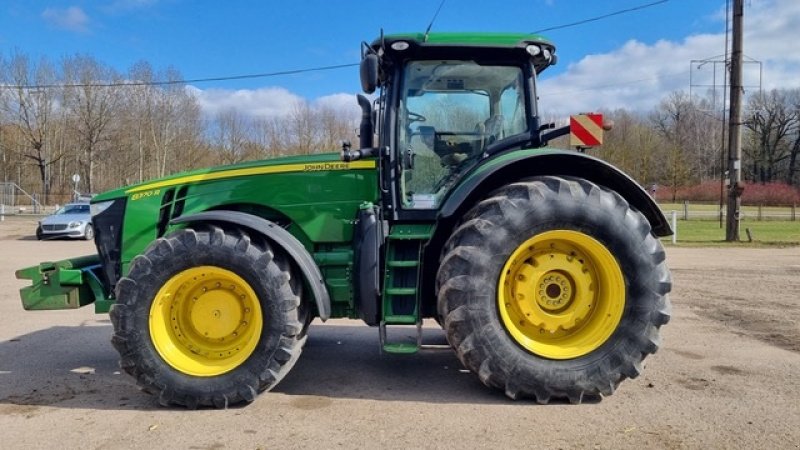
(770, 233)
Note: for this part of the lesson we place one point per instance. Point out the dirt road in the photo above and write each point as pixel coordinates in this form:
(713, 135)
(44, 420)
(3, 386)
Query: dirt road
(727, 376)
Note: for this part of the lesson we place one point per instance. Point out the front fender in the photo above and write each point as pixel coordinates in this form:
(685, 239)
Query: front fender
(281, 237)
(510, 167)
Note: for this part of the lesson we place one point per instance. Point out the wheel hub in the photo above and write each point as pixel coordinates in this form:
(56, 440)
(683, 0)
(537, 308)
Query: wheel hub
(205, 321)
(216, 314)
(549, 287)
(555, 291)
(561, 294)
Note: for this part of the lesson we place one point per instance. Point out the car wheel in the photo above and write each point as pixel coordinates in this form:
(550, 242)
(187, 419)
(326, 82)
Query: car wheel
(88, 233)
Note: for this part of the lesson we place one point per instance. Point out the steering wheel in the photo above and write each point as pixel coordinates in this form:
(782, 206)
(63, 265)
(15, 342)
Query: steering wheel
(414, 117)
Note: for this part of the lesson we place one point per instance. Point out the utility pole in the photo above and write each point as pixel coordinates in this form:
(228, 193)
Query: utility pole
(735, 186)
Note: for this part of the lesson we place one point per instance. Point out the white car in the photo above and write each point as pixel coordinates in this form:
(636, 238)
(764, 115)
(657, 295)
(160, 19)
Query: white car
(73, 220)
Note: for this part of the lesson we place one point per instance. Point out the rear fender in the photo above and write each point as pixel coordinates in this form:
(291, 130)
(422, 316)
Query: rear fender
(279, 236)
(557, 163)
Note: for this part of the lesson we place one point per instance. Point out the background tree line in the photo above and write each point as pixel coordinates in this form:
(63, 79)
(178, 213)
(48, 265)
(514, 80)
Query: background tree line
(83, 117)
(116, 128)
(682, 142)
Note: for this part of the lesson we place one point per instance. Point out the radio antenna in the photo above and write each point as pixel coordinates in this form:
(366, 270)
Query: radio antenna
(435, 15)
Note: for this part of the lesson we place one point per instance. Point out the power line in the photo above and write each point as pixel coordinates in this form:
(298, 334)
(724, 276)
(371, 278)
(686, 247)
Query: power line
(173, 82)
(295, 71)
(604, 16)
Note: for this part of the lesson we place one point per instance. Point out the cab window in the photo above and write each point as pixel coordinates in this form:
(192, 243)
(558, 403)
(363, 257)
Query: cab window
(449, 112)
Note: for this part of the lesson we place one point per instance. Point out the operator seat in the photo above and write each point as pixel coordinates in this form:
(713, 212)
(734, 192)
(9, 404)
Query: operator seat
(493, 129)
(422, 142)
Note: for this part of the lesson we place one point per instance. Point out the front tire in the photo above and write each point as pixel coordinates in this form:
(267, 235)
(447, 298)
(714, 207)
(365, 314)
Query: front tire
(208, 317)
(553, 288)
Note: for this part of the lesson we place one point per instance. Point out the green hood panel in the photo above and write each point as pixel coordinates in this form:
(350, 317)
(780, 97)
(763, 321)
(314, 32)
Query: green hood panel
(316, 196)
(323, 161)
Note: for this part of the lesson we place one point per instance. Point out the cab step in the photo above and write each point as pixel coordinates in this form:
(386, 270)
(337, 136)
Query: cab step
(401, 348)
(401, 296)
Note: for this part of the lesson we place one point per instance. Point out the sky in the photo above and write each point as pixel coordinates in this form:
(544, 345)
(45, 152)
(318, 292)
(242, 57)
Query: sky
(631, 60)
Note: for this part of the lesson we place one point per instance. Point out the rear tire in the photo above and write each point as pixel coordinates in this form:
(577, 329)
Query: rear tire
(553, 288)
(208, 317)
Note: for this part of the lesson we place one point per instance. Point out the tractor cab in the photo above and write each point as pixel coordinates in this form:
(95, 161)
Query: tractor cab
(446, 102)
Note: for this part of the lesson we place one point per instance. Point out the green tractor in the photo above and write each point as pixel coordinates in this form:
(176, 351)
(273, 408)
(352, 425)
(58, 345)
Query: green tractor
(542, 266)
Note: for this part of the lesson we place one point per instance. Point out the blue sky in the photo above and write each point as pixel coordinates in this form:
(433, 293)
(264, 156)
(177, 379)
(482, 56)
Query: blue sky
(212, 38)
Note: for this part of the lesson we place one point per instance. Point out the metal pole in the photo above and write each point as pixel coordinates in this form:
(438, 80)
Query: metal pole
(735, 123)
(722, 146)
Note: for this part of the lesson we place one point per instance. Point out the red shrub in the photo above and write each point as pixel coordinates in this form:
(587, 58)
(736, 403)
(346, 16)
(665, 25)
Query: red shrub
(772, 194)
(769, 194)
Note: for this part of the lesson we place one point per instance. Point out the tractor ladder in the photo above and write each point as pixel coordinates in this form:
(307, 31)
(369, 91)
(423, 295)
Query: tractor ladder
(401, 291)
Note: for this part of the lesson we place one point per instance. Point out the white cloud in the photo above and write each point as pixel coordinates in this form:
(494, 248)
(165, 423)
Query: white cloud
(262, 102)
(267, 101)
(343, 103)
(637, 75)
(71, 19)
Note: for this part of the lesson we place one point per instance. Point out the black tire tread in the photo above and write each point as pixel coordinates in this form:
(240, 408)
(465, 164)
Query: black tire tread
(152, 374)
(468, 306)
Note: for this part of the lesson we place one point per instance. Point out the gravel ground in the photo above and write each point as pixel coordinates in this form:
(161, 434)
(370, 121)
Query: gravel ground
(726, 377)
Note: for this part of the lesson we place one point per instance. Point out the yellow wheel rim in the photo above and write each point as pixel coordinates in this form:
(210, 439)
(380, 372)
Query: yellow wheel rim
(561, 294)
(205, 321)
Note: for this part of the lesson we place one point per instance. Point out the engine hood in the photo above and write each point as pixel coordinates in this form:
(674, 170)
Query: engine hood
(302, 163)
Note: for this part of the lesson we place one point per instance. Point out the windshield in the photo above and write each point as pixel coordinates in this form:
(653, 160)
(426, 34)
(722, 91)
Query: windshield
(74, 209)
(449, 112)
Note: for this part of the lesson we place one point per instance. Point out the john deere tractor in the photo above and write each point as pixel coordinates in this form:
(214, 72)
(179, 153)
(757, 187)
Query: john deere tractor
(542, 266)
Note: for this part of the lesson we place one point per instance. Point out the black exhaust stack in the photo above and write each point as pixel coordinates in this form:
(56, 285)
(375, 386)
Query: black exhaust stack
(366, 129)
(365, 132)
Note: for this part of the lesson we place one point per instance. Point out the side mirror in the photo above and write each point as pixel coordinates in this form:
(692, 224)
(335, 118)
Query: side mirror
(369, 73)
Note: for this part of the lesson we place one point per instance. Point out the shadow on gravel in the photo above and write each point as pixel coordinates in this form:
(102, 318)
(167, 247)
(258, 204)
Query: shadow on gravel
(346, 362)
(66, 367)
(76, 367)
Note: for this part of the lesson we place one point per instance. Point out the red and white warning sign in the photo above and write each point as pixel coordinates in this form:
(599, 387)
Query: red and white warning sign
(586, 130)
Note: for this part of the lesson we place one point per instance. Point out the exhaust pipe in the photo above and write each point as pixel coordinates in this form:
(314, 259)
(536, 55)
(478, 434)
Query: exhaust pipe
(366, 128)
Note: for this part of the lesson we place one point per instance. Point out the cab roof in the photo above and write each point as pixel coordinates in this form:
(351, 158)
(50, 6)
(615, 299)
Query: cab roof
(503, 40)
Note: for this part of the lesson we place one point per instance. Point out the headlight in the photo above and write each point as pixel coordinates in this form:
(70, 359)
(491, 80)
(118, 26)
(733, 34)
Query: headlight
(399, 45)
(74, 224)
(533, 50)
(97, 208)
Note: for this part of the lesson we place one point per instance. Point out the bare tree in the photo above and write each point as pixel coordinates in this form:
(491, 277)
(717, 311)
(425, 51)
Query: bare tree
(29, 103)
(302, 125)
(335, 127)
(231, 136)
(93, 105)
(773, 122)
(794, 147)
